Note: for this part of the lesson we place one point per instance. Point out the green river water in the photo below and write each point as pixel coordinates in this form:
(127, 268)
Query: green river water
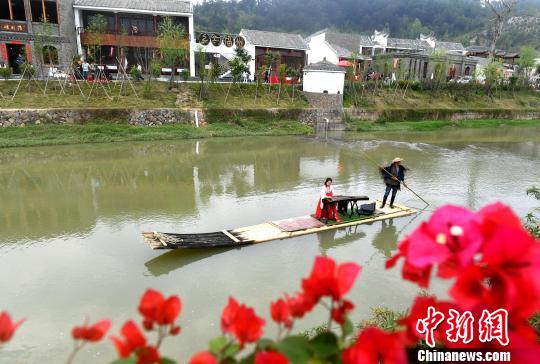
(71, 219)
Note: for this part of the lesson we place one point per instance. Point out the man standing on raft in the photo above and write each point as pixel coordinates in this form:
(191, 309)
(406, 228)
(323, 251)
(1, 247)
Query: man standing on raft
(393, 175)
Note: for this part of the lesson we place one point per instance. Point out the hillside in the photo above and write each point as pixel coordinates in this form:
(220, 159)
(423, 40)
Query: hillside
(464, 20)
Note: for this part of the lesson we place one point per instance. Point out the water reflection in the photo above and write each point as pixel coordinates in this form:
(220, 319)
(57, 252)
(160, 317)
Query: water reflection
(339, 238)
(176, 259)
(386, 239)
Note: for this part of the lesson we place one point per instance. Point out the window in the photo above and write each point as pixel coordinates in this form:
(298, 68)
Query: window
(137, 25)
(50, 55)
(44, 9)
(12, 10)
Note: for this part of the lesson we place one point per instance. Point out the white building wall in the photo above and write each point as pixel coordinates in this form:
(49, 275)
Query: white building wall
(321, 81)
(319, 50)
(191, 49)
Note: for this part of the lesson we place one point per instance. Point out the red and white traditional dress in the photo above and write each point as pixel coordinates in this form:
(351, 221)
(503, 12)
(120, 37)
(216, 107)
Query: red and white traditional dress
(329, 213)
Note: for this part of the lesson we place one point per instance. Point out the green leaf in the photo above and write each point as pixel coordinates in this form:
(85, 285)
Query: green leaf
(231, 350)
(166, 361)
(265, 344)
(124, 361)
(325, 345)
(347, 328)
(216, 345)
(296, 349)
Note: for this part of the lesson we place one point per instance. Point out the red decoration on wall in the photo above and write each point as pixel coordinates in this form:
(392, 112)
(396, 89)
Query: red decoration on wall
(4, 52)
(28, 53)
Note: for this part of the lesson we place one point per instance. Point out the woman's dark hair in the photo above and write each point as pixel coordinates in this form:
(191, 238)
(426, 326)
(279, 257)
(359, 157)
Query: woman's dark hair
(328, 180)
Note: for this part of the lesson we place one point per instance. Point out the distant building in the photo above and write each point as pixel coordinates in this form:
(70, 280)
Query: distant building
(22, 32)
(131, 28)
(324, 77)
(289, 48)
(508, 58)
(361, 49)
(420, 66)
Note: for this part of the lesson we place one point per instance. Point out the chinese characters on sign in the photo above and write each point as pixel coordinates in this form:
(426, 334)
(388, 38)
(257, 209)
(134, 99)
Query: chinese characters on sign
(216, 39)
(228, 41)
(491, 326)
(13, 27)
(239, 42)
(204, 39)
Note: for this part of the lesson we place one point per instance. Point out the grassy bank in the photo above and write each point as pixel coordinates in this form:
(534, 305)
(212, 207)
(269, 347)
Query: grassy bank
(106, 132)
(147, 95)
(431, 125)
(451, 99)
(250, 96)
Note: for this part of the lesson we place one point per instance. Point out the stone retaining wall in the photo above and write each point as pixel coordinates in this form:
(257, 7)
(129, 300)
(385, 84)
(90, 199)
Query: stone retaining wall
(324, 101)
(441, 114)
(312, 116)
(152, 117)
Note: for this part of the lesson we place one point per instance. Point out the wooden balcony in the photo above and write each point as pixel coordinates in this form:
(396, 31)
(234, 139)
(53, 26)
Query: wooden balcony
(139, 41)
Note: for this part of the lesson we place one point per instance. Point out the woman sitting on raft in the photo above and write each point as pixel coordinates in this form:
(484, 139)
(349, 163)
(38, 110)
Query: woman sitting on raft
(327, 211)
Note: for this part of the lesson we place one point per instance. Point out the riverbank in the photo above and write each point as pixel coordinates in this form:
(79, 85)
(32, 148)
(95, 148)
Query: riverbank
(432, 125)
(108, 132)
(100, 131)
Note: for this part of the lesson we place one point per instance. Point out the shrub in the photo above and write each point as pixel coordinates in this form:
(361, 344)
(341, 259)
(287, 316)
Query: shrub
(5, 72)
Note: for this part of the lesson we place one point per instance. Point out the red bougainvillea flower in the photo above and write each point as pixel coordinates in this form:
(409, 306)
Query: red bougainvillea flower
(148, 355)
(329, 279)
(340, 312)
(156, 309)
(228, 315)
(93, 333)
(242, 322)
(450, 239)
(7, 327)
(496, 215)
(419, 311)
(270, 357)
(375, 346)
(203, 358)
(299, 304)
(281, 312)
(133, 339)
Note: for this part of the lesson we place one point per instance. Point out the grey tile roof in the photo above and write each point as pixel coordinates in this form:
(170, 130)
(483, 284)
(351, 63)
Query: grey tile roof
(174, 6)
(324, 66)
(449, 46)
(477, 49)
(407, 43)
(274, 40)
(350, 42)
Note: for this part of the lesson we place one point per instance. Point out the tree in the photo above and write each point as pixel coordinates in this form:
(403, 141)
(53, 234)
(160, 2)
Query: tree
(97, 26)
(502, 10)
(493, 75)
(238, 66)
(172, 45)
(527, 61)
(42, 43)
(200, 56)
(270, 59)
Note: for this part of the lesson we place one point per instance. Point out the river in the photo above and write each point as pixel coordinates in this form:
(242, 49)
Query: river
(71, 219)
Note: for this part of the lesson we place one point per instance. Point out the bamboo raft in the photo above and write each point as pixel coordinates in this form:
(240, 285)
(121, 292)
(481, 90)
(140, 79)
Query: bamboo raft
(268, 231)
